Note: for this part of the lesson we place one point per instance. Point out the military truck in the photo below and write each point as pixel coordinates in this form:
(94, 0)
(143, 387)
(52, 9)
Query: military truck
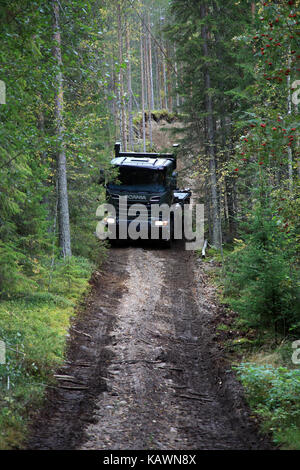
(148, 180)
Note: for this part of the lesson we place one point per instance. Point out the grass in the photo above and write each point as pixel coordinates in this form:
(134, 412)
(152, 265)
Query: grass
(34, 328)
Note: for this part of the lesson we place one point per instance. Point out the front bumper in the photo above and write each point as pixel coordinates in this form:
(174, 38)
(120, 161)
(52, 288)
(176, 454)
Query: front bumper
(151, 229)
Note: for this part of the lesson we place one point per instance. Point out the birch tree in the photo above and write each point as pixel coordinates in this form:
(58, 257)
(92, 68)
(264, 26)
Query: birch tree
(210, 135)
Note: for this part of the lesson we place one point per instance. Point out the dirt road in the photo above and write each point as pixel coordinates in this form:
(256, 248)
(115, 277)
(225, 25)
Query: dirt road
(144, 370)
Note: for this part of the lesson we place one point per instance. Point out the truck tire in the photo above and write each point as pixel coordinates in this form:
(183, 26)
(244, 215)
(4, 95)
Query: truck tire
(114, 243)
(166, 243)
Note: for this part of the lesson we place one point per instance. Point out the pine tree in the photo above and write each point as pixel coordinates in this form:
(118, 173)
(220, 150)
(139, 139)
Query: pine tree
(63, 203)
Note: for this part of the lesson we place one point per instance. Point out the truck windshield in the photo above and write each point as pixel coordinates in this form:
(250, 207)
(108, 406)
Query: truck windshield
(140, 176)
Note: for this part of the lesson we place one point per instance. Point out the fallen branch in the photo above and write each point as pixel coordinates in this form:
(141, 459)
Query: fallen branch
(136, 361)
(73, 388)
(68, 378)
(195, 398)
(82, 364)
(64, 377)
(82, 333)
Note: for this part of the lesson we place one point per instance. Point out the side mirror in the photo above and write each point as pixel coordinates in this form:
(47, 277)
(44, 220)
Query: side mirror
(174, 180)
(102, 177)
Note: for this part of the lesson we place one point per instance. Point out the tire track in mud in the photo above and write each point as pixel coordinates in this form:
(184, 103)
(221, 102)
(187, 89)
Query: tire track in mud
(60, 423)
(157, 379)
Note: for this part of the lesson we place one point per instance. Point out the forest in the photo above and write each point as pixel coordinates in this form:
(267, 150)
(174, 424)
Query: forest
(223, 78)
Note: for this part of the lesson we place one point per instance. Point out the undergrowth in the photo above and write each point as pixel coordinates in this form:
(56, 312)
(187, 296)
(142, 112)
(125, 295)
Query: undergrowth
(261, 356)
(273, 394)
(34, 327)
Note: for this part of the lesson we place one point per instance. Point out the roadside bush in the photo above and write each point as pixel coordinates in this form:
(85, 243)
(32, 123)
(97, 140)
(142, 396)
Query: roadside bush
(12, 278)
(260, 281)
(273, 394)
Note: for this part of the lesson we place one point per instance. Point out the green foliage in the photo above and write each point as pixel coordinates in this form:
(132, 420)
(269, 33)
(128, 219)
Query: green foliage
(273, 394)
(69, 274)
(38, 290)
(252, 65)
(12, 278)
(34, 328)
(27, 129)
(260, 275)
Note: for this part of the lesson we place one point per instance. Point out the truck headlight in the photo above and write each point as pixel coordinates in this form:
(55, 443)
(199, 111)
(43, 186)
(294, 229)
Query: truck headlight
(161, 223)
(109, 220)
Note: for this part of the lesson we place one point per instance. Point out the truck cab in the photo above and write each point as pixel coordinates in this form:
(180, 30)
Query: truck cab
(146, 179)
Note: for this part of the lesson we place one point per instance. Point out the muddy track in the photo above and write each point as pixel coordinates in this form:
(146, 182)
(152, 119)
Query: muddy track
(147, 371)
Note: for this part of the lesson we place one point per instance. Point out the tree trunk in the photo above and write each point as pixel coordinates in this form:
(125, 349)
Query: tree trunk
(289, 110)
(148, 83)
(63, 204)
(157, 73)
(169, 82)
(176, 79)
(130, 114)
(164, 74)
(230, 197)
(150, 62)
(121, 83)
(210, 138)
(143, 90)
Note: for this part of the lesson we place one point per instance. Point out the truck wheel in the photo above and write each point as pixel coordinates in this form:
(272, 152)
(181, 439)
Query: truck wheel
(166, 243)
(114, 243)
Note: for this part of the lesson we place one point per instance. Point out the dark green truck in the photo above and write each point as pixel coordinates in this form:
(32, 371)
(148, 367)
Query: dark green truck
(146, 183)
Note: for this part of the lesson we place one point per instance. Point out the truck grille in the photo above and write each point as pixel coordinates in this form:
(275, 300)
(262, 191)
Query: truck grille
(122, 208)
